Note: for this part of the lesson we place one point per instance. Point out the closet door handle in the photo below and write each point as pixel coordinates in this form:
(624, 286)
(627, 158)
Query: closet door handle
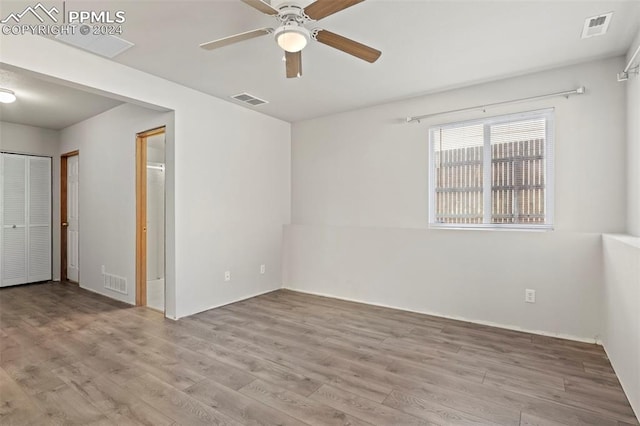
(14, 227)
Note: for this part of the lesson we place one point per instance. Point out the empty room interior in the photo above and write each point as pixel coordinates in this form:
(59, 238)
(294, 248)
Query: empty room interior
(330, 212)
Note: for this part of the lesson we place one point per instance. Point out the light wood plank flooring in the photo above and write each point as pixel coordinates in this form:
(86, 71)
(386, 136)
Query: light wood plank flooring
(72, 357)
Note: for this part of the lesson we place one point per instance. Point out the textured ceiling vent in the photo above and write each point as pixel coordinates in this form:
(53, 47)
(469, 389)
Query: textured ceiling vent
(249, 99)
(108, 46)
(596, 25)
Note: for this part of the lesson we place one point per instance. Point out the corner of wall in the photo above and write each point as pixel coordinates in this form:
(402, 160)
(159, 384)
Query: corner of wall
(633, 142)
(621, 337)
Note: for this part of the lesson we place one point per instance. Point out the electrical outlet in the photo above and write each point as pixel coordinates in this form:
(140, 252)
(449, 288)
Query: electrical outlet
(227, 275)
(104, 271)
(263, 269)
(530, 296)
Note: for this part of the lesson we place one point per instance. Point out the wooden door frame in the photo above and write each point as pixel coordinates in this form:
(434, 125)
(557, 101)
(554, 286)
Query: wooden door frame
(141, 213)
(63, 212)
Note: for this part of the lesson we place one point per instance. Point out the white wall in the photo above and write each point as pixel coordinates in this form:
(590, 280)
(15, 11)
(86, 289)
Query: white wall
(232, 176)
(360, 203)
(633, 145)
(155, 149)
(622, 316)
(155, 208)
(22, 139)
(621, 291)
(107, 192)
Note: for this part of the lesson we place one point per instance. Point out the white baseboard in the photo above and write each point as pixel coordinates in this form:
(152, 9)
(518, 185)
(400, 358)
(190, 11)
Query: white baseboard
(93, 290)
(459, 318)
(636, 410)
(240, 299)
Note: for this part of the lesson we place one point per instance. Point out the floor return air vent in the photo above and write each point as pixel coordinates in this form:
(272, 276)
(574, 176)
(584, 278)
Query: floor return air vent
(115, 283)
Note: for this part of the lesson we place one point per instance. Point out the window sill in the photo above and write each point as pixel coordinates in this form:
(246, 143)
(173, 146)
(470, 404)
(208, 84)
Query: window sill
(524, 228)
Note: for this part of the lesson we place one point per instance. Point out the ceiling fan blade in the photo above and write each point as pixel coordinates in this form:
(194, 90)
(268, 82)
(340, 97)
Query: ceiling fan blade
(294, 64)
(261, 6)
(323, 8)
(349, 46)
(210, 45)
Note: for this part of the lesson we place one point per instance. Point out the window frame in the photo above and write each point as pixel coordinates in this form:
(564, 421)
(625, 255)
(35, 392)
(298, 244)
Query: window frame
(549, 115)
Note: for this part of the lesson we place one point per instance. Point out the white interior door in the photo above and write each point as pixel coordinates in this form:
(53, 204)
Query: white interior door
(14, 219)
(73, 266)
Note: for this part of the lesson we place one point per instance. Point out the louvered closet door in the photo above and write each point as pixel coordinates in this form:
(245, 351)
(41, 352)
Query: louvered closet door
(14, 219)
(39, 219)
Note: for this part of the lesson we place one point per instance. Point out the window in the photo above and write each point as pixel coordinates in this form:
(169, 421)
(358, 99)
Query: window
(493, 173)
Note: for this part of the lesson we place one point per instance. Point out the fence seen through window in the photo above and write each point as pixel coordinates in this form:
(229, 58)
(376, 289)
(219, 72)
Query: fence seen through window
(492, 172)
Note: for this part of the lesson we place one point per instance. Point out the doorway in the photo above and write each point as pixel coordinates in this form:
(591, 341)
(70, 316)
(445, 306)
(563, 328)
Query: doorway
(150, 218)
(69, 217)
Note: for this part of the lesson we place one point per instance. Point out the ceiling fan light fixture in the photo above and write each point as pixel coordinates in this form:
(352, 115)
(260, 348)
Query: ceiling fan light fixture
(7, 96)
(292, 38)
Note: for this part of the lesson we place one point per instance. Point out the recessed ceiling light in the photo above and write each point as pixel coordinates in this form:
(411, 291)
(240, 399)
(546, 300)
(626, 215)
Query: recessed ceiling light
(7, 96)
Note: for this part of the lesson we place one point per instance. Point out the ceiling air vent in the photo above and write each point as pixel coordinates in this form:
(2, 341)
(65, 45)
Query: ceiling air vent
(249, 99)
(596, 25)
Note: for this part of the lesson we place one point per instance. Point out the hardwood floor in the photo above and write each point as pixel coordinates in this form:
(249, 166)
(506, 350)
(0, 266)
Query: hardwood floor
(72, 357)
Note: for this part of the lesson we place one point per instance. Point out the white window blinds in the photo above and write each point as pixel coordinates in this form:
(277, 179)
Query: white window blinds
(494, 172)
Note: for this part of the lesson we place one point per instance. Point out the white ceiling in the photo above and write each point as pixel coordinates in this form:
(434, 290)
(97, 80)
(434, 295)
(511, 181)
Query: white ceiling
(427, 45)
(48, 105)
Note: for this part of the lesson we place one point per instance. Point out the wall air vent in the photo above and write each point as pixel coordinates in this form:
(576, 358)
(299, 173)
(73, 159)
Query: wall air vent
(115, 283)
(596, 25)
(249, 99)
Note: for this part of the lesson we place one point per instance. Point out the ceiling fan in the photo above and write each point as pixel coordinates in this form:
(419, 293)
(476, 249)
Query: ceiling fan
(292, 36)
